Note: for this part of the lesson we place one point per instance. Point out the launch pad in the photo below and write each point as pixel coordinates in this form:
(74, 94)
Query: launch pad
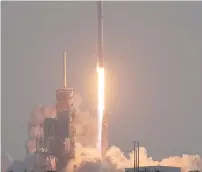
(55, 145)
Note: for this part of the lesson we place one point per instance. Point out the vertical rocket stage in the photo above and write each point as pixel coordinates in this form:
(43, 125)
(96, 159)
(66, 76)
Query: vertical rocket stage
(102, 129)
(100, 34)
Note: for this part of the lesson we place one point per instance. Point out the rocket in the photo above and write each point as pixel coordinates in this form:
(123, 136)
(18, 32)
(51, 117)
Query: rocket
(100, 34)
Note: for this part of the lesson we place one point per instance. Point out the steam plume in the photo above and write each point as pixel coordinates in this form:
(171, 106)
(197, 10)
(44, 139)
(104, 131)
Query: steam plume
(87, 156)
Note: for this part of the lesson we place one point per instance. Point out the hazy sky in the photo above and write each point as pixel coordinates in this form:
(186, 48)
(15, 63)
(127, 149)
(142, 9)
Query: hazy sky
(153, 57)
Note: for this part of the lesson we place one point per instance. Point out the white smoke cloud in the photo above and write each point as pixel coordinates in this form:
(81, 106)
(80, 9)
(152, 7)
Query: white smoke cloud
(87, 157)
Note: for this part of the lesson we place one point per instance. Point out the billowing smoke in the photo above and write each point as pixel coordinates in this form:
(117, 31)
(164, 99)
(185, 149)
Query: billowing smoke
(84, 122)
(87, 157)
(34, 123)
(186, 162)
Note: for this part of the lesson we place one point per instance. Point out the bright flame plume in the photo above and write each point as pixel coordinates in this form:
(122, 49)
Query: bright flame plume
(101, 87)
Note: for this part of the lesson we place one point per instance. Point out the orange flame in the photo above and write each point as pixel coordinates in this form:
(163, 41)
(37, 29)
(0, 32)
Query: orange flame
(101, 87)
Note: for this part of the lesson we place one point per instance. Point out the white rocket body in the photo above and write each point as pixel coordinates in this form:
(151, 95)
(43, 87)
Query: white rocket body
(100, 34)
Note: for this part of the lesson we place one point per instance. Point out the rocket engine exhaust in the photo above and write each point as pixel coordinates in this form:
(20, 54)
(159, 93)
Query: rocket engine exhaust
(100, 74)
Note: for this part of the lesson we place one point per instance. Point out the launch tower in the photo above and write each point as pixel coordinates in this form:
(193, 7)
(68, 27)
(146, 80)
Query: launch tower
(65, 114)
(55, 144)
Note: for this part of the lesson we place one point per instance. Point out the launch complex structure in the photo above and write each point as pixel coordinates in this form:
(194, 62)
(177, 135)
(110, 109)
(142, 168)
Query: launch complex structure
(55, 145)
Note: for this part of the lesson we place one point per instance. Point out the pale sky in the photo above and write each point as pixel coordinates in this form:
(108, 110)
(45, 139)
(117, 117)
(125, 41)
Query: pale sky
(153, 57)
